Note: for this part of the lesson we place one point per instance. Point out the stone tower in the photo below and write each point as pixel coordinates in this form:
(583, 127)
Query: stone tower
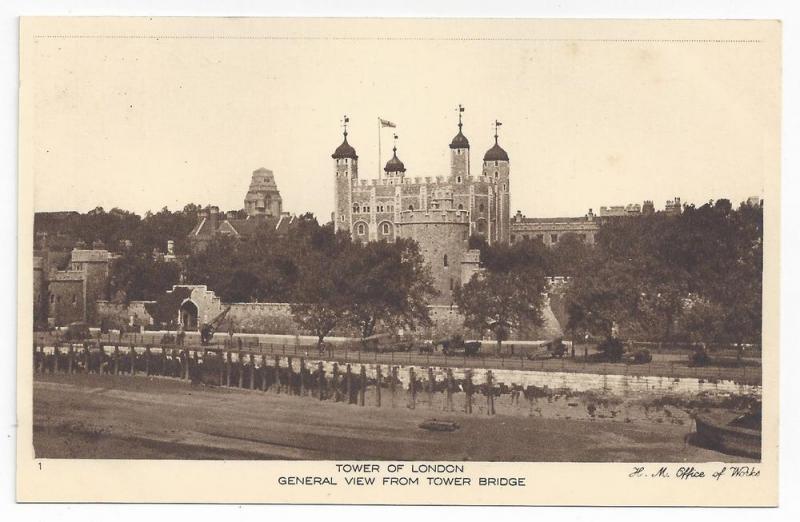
(346, 165)
(443, 236)
(459, 153)
(496, 168)
(263, 198)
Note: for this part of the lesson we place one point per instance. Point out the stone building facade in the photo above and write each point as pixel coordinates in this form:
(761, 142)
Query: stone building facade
(550, 230)
(439, 212)
(370, 209)
(263, 197)
(72, 294)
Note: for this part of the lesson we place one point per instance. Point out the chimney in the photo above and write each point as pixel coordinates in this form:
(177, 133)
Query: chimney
(213, 216)
(202, 214)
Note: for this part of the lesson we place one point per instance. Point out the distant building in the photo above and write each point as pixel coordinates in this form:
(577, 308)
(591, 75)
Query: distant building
(262, 211)
(211, 223)
(673, 207)
(629, 210)
(263, 197)
(73, 292)
(551, 230)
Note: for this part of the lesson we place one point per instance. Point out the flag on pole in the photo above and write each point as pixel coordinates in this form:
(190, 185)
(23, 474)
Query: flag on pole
(387, 123)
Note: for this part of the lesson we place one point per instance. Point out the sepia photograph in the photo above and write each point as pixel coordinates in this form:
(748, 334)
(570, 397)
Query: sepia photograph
(373, 241)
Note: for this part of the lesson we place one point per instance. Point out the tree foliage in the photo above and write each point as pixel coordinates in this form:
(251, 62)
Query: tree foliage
(661, 277)
(509, 293)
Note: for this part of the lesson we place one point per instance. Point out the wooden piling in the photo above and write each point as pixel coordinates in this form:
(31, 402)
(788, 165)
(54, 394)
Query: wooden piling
(378, 380)
(70, 357)
(412, 388)
(163, 361)
(468, 391)
(450, 385)
(56, 350)
(240, 367)
(277, 374)
(349, 384)
(116, 359)
(430, 387)
(393, 383)
(302, 376)
(335, 382)
(362, 386)
(228, 363)
(252, 372)
(147, 355)
(264, 386)
(186, 365)
(289, 375)
(133, 360)
(489, 393)
(321, 380)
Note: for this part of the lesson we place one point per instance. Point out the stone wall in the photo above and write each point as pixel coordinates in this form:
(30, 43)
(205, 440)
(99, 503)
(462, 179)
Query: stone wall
(117, 314)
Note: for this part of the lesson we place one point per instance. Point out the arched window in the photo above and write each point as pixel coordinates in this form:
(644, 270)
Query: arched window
(458, 179)
(411, 207)
(356, 208)
(52, 298)
(496, 174)
(385, 229)
(480, 207)
(445, 260)
(460, 206)
(360, 229)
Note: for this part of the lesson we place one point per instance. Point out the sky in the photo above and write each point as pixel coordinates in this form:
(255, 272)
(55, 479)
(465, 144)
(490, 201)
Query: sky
(154, 118)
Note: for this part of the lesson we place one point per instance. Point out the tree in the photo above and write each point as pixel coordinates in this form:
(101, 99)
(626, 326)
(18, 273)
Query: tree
(323, 290)
(502, 300)
(391, 285)
(138, 277)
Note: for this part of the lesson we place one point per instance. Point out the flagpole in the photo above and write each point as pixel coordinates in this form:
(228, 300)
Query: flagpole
(379, 147)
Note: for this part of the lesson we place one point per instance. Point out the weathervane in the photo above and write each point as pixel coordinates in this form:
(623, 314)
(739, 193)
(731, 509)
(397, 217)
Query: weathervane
(345, 121)
(497, 125)
(460, 111)
(395, 143)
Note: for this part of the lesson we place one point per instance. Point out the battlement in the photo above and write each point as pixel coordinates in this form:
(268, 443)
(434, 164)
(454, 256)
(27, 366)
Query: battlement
(66, 275)
(90, 256)
(420, 180)
(450, 215)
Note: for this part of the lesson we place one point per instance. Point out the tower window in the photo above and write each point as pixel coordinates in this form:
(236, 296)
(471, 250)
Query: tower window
(411, 207)
(445, 262)
(460, 206)
(356, 208)
(495, 163)
(458, 179)
(513, 237)
(385, 229)
(360, 229)
(496, 174)
(451, 283)
(52, 298)
(480, 207)
(554, 238)
(504, 186)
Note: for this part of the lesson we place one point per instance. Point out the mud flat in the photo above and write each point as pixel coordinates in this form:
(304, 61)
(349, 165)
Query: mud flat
(107, 416)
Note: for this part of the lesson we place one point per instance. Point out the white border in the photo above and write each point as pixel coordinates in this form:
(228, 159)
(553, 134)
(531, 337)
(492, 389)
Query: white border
(790, 220)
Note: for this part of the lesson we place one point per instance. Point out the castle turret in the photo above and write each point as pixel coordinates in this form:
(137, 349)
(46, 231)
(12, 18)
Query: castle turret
(394, 167)
(459, 153)
(496, 168)
(346, 165)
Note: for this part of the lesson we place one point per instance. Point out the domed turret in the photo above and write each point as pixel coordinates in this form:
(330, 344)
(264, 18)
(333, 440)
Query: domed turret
(496, 153)
(345, 150)
(459, 141)
(394, 164)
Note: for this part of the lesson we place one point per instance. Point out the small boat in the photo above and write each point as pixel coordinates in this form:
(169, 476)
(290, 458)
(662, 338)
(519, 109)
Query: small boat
(731, 433)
